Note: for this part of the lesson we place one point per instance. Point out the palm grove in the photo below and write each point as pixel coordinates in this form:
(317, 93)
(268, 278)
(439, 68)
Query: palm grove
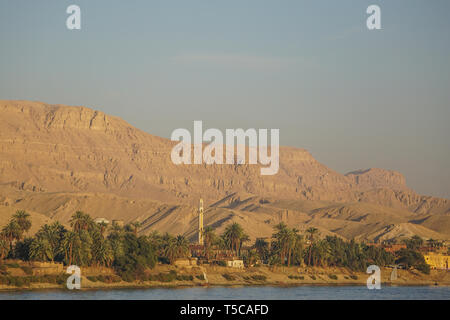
(97, 244)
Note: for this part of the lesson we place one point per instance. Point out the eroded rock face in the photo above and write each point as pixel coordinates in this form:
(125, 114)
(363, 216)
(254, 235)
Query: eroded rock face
(54, 148)
(375, 178)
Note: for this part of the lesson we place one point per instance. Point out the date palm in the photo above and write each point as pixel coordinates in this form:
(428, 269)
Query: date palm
(102, 252)
(176, 248)
(182, 247)
(170, 248)
(297, 254)
(23, 220)
(12, 232)
(262, 248)
(103, 226)
(209, 237)
(292, 239)
(71, 244)
(252, 257)
(234, 235)
(81, 221)
(311, 237)
(4, 247)
(53, 235)
(40, 250)
(135, 225)
(282, 237)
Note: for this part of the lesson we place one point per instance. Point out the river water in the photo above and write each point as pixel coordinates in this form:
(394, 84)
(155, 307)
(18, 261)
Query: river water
(240, 293)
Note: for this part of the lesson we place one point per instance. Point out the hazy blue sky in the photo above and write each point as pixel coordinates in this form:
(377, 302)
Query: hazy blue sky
(354, 98)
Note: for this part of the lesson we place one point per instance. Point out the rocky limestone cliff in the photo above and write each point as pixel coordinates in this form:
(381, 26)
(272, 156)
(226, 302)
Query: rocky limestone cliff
(375, 178)
(55, 148)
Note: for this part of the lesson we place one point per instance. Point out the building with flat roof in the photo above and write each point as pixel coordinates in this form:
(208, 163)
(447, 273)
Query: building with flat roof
(437, 261)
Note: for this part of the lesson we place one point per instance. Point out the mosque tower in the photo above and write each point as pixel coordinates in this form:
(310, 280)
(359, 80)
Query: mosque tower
(200, 223)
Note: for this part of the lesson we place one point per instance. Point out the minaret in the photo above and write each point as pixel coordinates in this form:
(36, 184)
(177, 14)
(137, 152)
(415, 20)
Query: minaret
(200, 223)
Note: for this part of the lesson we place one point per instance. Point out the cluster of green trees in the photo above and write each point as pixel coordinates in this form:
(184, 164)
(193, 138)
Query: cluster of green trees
(288, 247)
(87, 244)
(416, 242)
(13, 231)
(97, 244)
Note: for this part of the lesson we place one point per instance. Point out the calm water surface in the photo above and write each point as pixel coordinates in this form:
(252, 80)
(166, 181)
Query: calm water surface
(252, 293)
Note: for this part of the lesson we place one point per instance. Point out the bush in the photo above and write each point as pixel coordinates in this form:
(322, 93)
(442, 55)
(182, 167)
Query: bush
(296, 277)
(167, 277)
(13, 265)
(106, 278)
(3, 270)
(424, 268)
(229, 277)
(333, 276)
(102, 278)
(185, 277)
(28, 270)
(259, 277)
(62, 278)
(128, 277)
(221, 263)
(200, 277)
(15, 281)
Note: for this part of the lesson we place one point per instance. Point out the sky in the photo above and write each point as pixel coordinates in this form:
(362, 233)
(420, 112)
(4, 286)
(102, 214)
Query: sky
(355, 98)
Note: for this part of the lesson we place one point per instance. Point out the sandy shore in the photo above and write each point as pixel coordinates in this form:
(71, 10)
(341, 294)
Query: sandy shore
(262, 276)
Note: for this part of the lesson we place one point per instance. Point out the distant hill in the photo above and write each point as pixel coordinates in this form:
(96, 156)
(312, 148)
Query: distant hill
(57, 159)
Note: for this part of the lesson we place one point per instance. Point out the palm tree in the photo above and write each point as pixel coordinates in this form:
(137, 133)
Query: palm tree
(170, 248)
(4, 248)
(115, 239)
(23, 220)
(182, 247)
(156, 240)
(12, 232)
(81, 221)
(70, 245)
(292, 239)
(323, 253)
(312, 232)
(175, 248)
(53, 235)
(103, 226)
(262, 248)
(252, 257)
(282, 237)
(234, 236)
(434, 243)
(209, 238)
(136, 225)
(102, 252)
(40, 250)
(297, 254)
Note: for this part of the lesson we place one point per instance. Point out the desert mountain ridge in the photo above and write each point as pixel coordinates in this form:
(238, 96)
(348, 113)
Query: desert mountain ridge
(57, 159)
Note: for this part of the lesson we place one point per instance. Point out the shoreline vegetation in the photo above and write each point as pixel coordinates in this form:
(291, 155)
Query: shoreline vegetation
(172, 277)
(222, 277)
(114, 256)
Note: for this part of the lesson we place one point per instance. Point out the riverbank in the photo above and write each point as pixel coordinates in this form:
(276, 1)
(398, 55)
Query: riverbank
(166, 276)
